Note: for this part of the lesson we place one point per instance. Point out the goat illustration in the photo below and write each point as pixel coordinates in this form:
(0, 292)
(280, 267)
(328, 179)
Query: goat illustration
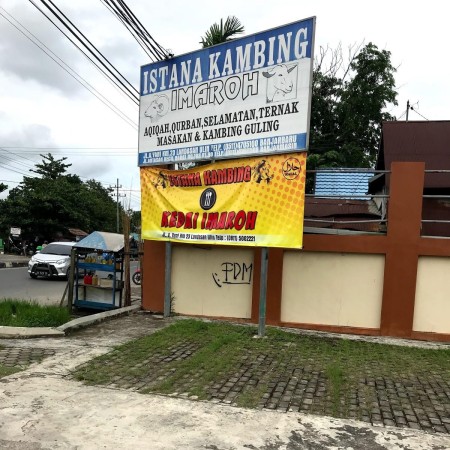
(159, 106)
(279, 82)
(262, 172)
(162, 181)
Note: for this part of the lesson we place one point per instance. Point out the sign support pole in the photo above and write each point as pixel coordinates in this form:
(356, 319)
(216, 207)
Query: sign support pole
(167, 279)
(263, 292)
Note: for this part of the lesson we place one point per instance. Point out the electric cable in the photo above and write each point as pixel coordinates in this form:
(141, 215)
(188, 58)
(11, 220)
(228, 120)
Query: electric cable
(65, 67)
(110, 77)
(91, 48)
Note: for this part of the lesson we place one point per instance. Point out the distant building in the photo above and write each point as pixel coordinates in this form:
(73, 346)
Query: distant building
(419, 141)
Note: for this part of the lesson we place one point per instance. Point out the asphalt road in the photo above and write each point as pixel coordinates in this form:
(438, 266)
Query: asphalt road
(15, 283)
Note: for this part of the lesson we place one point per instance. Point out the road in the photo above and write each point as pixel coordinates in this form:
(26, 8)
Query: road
(15, 283)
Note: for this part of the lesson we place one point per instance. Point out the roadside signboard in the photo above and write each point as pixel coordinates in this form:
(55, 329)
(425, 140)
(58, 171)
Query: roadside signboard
(15, 231)
(256, 201)
(247, 97)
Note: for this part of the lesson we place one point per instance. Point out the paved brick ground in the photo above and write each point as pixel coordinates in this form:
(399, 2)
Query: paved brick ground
(284, 384)
(21, 357)
(290, 385)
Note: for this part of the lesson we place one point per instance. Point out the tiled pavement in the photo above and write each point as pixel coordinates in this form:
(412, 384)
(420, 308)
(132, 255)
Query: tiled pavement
(407, 401)
(22, 357)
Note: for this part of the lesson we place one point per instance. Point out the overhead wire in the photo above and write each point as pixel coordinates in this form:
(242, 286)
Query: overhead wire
(121, 19)
(108, 70)
(36, 41)
(417, 112)
(121, 10)
(15, 154)
(102, 59)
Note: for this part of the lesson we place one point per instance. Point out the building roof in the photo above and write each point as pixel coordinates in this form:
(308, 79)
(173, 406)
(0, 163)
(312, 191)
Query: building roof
(342, 184)
(417, 141)
(332, 212)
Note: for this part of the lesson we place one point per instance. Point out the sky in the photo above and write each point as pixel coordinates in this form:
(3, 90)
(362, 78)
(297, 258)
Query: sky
(45, 110)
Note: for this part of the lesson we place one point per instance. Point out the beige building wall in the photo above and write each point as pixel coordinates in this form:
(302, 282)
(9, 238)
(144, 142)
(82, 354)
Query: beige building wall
(432, 307)
(339, 289)
(212, 281)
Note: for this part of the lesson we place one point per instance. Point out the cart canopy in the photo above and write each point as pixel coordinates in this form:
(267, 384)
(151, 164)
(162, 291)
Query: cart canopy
(101, 240)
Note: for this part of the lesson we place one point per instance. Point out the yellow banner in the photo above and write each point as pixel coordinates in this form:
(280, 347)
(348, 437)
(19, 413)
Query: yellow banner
(250, 201)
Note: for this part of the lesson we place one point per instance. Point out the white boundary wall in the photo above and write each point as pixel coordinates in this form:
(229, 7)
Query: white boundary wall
(339, 289)
(432, 307)
(212, 282)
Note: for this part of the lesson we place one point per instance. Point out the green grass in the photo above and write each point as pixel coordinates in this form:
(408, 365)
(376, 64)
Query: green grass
(222, 351)
(17, 313)
(4, 370)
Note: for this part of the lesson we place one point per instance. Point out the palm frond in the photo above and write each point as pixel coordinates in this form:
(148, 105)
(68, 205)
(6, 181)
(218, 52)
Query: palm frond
(219, 33)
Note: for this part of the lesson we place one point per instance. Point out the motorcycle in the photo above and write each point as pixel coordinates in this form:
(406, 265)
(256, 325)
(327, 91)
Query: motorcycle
(137, 276)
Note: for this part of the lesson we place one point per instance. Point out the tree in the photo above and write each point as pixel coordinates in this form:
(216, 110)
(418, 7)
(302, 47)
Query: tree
(347, 111)
(3, 187)
(349, 100)
(217, 34)
(51, 167)
(47, 205)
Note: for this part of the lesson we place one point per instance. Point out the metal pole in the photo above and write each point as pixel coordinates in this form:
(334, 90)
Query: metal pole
(167, 279)
(263, 292)
(117, 203)
(73, 272)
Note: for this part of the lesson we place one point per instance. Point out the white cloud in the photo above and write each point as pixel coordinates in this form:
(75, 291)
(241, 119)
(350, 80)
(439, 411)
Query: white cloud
(41, 106)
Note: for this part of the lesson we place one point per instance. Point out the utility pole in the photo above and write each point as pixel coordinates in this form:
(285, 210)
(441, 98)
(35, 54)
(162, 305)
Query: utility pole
(407, 110)
(117, 187)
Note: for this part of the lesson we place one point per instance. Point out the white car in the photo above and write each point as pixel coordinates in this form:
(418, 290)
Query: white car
(52, 261)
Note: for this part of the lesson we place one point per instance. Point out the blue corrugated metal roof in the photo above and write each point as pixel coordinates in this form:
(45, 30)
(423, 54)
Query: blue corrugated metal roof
(342, 184)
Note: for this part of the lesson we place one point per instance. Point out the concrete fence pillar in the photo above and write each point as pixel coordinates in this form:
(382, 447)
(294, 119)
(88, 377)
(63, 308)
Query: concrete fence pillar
(402, 249)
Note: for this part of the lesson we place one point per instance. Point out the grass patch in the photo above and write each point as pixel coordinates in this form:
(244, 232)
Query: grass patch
(206, 359)
(16, 313)
(4, 370)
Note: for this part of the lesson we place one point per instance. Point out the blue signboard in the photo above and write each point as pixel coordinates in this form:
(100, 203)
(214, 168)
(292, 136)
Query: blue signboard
(249, 96)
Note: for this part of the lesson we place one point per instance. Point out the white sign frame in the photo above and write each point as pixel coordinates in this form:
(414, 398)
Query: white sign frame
(247, 97)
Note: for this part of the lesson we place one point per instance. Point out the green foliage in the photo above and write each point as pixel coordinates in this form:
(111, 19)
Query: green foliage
(16, 313)
(3, 187)
(346, 114)
(135, 221)
(51, 167)
(46, 206)
(219, 33)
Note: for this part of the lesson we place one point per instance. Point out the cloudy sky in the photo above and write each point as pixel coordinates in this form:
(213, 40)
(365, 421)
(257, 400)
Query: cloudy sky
(43, 109)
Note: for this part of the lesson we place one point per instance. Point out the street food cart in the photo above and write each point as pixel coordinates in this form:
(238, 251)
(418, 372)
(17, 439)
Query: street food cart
(99, 281)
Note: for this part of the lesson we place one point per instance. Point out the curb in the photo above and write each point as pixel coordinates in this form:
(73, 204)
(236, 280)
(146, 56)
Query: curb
(28, 332)
(96, 318)
(61, 331)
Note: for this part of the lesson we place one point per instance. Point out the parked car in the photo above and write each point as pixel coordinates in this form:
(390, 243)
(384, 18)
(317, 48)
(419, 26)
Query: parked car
(52, 261)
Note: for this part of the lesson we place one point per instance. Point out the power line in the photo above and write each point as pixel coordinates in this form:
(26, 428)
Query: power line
(417, 112)
(16, 154)
(124, 14)
(97, 54)
(102, 64)
(76, 76)
(411, 107)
